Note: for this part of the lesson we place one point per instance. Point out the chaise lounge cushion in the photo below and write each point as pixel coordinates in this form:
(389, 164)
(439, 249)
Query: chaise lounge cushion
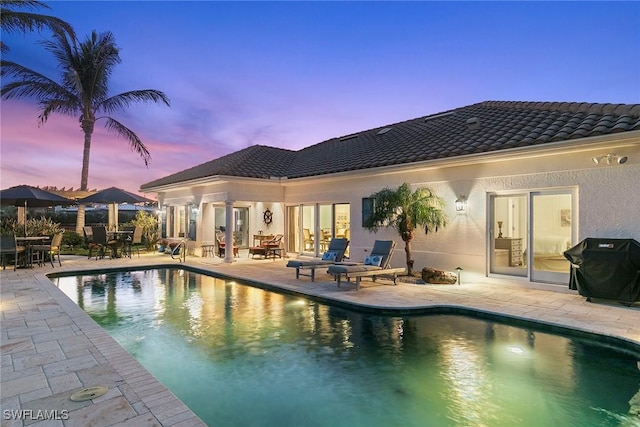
(374, 260)
(329, 256)
(337, 269)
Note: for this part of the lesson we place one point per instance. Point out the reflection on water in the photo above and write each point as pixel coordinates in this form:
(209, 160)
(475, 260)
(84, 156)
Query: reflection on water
(239, 355)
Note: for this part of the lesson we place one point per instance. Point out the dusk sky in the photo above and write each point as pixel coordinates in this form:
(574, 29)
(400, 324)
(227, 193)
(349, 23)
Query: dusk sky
(292, 74)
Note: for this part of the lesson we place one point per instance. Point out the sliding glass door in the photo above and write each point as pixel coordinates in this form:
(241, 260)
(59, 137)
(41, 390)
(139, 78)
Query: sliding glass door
(551, 235)
(508, 234)
(310, 228)
(529, 232)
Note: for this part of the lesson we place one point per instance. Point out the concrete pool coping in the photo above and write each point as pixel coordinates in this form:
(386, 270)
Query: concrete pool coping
(51, 348)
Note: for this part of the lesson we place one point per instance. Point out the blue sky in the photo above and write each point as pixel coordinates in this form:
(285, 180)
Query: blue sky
(292, 74)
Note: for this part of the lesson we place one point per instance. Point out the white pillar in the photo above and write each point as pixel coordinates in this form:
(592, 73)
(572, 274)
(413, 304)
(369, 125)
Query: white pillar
(228, 233)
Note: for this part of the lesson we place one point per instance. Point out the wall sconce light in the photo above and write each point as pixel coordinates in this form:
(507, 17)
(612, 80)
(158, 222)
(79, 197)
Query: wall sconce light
(461, 204)
(609, 159)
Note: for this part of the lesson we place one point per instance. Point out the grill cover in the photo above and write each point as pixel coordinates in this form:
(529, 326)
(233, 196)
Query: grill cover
(606, 268)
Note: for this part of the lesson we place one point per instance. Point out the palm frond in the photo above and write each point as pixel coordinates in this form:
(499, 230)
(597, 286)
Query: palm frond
(126, 99)
(60, 106)
(135, 142)
(405, 209)
(29, 84)
(12, 19)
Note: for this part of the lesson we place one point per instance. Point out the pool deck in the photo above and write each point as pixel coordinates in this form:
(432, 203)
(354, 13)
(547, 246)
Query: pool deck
(50, 348)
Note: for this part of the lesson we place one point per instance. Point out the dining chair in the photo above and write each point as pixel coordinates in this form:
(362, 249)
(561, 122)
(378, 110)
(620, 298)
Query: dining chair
(308, 239)
(88, 240)
(101, 237)
(49, 249)
(133, 241)
(9, 246)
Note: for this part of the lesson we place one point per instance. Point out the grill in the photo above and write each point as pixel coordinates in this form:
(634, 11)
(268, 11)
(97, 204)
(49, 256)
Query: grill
(606, 268)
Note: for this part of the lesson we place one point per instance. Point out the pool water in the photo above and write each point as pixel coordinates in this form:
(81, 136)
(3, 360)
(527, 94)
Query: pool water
(243, 356)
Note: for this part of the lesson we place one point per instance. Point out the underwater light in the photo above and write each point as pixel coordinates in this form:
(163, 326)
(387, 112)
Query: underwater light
(516, 350)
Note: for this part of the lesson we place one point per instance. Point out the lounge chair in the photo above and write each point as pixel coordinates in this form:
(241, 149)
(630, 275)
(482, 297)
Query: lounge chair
(335, 253)
(375, 264)
(221, 245)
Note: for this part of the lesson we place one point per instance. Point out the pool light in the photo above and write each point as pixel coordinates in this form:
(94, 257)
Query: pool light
(516, 350)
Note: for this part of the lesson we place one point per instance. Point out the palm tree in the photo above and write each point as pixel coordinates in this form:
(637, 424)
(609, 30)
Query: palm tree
(82, 92)
(13, 18)
(405, 211)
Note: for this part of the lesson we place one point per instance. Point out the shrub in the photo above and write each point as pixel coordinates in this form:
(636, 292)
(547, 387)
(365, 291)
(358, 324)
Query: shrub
(35, 227)
(71, 239)
(149, 224)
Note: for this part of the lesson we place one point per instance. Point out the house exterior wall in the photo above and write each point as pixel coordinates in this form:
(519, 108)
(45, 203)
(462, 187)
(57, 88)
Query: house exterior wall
(259, 196)
(608, 199)
(607, 205)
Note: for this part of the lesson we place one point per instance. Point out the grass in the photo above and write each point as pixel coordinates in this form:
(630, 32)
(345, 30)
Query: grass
(74, 250)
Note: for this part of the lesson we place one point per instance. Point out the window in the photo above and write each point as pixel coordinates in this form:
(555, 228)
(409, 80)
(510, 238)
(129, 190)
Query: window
(368, 204)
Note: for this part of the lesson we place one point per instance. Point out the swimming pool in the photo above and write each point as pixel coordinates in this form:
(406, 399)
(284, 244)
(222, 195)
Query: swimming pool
(242, 356)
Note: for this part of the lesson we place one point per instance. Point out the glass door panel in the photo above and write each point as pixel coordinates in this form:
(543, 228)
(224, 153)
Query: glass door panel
(241, 227)
(342, 222)
(308, 228)
(193, 214)
(508, 234)
(324, 225)
(551, 235)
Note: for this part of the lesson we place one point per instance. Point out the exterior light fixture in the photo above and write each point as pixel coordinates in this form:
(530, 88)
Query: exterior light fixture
(458, 270)
(609, 159)
(461, 204)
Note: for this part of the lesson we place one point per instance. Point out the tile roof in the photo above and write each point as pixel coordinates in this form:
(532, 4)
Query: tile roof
(257, 161)
(479, 128)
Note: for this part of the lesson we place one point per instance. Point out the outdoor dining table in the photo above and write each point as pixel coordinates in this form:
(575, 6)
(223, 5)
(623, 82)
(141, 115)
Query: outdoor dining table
(28, 242)
(122, 236)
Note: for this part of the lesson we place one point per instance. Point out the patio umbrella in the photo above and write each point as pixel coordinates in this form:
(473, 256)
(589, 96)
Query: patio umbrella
(113, 196)
(24, 196)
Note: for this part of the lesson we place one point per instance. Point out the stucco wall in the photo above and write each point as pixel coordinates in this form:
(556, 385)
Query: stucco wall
(608, 201)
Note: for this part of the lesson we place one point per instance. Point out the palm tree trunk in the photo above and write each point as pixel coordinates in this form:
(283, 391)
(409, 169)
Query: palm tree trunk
(80, 219)
(407, 251)
(87, 127)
